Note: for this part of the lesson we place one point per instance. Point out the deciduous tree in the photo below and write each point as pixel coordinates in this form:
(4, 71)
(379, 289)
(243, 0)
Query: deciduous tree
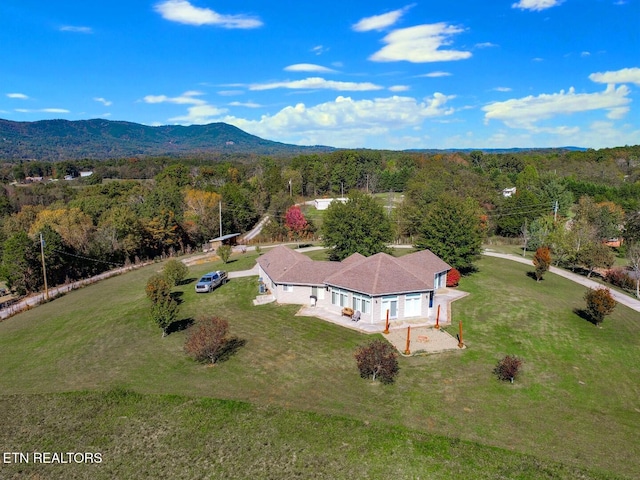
(595, 255)
(600, 303)
(175, 272)
(224, 252)
(508, 368)
(207, 338)
(542, 262)
(378, 360)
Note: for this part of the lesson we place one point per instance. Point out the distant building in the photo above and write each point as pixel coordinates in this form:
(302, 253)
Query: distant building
(508, 192)
(323, 203)
(86, 174)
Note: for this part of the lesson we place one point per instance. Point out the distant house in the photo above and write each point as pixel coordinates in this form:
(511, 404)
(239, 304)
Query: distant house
(86, 174)
(404, 286)
(323, 203)
(509, 192)
(32, 179)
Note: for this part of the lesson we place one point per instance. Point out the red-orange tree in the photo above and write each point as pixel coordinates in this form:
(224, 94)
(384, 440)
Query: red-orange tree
(207, 339)
(600, 303)
(542, 261)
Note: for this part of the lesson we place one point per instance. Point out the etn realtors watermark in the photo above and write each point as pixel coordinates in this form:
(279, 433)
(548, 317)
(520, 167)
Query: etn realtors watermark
(51, 457)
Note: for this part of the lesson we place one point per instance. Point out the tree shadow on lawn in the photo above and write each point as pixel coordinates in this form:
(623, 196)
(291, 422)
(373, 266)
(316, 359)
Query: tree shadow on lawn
(187, 281)
(230, 347)
(180, 325)
(582, 313)
(177, 296)
(532, 275)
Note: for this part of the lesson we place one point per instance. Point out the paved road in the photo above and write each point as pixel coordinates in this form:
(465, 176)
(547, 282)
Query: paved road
(626, 300)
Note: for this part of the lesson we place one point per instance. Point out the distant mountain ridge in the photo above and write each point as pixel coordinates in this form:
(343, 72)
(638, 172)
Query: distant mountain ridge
(101, 139)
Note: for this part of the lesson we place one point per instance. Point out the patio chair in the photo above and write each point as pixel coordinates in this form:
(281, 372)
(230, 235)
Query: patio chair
(356, 316)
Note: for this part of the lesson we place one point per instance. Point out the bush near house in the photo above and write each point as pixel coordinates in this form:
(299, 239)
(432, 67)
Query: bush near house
(453, 278)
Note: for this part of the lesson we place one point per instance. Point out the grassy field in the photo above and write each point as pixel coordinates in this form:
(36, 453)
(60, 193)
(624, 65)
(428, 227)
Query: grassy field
(304, 412)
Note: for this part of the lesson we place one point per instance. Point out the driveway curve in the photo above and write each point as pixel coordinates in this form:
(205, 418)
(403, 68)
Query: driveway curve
(621, 298)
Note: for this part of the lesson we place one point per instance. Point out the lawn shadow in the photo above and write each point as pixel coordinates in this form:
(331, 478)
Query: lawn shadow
(532, 275)
(187, 281)
(230, 347)
(583, 314)
(180, 325)
(177, 296)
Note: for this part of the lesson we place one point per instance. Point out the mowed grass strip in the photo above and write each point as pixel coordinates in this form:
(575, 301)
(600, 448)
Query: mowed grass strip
(161, 436)
(575, 403)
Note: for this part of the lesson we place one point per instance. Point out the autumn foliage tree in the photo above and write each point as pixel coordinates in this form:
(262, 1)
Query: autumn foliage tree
(600, 303)
(378, 360)
(207, 339)
(542, 262)
(453, 277)
(295, 222)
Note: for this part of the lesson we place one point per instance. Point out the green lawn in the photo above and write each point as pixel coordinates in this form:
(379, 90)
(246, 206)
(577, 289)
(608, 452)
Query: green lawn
(576, 404)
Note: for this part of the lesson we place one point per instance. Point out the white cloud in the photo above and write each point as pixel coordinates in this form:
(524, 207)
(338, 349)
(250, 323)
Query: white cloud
(200, 114)
(585, 54)
(230, 93)
(182, 11)
(399, 88)
(20, 96)
(344, 122)
(435, 74)
(187, 98)
(245, 104)
(485, 45)
(420, 44)
(626, 75)
(319, 49)
(104, 101)
(71, 28)
(308, 67)
(502, 89)
(536, 5)
(525, 112)
(43, 110)
(317, 83)
(380, 22)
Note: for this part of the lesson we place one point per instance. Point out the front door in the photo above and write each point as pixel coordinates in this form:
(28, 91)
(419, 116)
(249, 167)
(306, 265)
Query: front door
(391, 304)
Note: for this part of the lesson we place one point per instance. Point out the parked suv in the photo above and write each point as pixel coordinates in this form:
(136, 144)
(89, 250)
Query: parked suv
(210, 281)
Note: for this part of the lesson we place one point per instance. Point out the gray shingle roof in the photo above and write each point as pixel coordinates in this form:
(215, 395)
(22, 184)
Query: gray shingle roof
(380, 274)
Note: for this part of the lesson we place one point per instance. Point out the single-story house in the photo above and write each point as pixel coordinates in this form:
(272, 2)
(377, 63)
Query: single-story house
(404, 286)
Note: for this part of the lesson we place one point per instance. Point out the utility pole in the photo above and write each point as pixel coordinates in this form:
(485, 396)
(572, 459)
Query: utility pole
(555, 211)
(220, 215)
(44, 268)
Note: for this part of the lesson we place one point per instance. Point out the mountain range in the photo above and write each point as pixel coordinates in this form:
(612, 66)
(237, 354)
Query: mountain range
(100, 139)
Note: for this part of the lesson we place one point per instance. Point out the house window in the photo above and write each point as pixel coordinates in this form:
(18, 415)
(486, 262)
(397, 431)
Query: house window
(287, 288)
(339, 297)
(412, 305)
(361, 303)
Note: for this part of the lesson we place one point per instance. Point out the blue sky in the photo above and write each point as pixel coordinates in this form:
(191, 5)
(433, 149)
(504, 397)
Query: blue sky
(382, 74)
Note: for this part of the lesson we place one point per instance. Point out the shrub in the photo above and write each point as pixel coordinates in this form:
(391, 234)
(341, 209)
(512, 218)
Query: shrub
(207, 339)
(164, 313)
(378, 360)
(542, 261)
(175, 272)
(600, 303)
(619, 277)
(453, 277)
(508, 368)
(224, 252)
